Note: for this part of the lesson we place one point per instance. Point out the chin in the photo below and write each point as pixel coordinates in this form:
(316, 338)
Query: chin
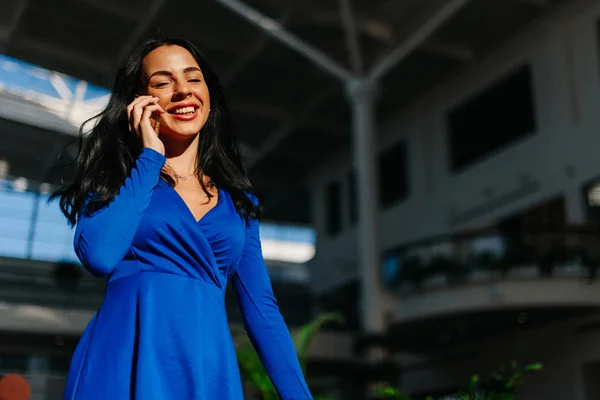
(188, 132)
(181, 133)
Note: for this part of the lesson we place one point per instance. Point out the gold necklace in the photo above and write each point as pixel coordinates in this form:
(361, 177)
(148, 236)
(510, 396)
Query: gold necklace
(176, 175)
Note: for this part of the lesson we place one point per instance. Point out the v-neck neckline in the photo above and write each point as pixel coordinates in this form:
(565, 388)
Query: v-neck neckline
(189, 211)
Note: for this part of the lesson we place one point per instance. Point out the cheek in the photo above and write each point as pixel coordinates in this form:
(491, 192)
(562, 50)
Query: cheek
(203, 94)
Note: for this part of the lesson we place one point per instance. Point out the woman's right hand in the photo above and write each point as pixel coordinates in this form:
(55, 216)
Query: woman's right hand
(141, 121)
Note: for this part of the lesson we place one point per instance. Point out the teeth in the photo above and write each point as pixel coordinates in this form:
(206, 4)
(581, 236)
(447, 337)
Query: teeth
(184, 110)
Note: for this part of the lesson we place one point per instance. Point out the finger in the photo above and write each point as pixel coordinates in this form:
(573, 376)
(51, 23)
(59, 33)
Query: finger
(142, 102)
(136, 102)
(138, 99)
(148, 111)
(129, 109)
(138, 110)
(136, 117)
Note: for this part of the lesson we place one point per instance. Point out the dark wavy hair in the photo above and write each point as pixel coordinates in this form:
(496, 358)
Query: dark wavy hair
(106, 155)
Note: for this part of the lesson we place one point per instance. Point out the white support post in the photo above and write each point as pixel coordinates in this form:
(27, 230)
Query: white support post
(361, 92)
(362, 96)
(278, 32)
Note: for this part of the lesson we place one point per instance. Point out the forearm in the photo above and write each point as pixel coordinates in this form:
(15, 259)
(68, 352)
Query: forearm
(270, 337)
(103, 238)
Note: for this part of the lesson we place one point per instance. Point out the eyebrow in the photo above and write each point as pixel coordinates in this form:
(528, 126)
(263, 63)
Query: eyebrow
(168, 73)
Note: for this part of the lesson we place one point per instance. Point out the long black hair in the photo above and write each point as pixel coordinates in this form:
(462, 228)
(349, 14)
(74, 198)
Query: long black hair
(106, 155)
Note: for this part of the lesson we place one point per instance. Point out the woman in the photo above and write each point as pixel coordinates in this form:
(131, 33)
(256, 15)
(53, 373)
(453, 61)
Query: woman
(164, 212)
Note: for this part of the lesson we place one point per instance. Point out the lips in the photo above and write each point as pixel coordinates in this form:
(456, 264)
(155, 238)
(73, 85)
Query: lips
(184, 112)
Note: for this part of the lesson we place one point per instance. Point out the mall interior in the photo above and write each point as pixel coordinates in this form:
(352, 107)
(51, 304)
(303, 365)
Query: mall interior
(430, 172)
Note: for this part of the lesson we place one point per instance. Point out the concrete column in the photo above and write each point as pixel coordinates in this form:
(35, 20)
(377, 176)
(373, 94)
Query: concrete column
(362, 95)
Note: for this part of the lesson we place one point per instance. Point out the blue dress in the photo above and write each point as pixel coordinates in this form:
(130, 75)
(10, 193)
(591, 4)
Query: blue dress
(162, 332)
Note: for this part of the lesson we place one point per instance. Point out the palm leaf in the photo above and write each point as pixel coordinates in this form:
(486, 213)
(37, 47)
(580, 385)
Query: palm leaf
(304, 336)
(252, 369)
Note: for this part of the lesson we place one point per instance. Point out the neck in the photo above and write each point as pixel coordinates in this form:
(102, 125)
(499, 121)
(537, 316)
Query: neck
(182, 155)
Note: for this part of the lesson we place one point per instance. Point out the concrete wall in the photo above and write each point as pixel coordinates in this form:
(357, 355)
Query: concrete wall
(562, 50)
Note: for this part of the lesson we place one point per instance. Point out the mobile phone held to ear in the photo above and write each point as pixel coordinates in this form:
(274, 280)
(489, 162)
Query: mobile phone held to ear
(157, 126)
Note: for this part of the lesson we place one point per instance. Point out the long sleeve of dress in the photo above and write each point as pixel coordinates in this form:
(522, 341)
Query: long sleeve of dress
(263, 321)
(102, 239)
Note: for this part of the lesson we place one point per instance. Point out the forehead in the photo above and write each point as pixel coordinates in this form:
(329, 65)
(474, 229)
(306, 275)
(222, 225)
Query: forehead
(168, 58)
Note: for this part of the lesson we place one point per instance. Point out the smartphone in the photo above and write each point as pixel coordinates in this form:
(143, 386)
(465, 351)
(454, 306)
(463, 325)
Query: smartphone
(157, 126)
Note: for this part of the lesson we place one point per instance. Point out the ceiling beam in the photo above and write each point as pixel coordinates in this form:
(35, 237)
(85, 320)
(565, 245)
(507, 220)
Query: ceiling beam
(286, 128)
(384, 33)
(539, 3)
(117, 11)
(140, 29)
(278, 32)
(7, 32)
(371, 27)
(380, 68)
(444, 13)
(55, 51)
(274, 113)
(351, 36)
(246, 56)
(457, 52)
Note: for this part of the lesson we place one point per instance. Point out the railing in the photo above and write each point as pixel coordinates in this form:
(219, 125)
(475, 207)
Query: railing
(456, 257)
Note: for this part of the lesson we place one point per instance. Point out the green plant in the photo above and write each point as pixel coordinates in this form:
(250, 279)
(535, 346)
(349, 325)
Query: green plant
(501, 386)
(253, 372)
(388, 392)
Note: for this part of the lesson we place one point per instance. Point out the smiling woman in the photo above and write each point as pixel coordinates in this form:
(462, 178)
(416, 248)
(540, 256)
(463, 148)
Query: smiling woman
(165, 213)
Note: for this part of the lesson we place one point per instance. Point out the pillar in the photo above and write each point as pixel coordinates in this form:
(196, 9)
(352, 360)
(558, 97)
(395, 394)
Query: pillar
(362, 95)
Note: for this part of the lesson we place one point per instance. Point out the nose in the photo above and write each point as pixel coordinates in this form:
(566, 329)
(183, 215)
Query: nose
(182, 90)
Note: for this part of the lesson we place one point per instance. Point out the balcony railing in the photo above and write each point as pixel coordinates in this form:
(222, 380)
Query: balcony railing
(456, 257)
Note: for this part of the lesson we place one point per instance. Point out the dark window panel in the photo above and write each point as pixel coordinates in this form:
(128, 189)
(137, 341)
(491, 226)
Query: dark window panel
(499, 116)
(393, 176)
